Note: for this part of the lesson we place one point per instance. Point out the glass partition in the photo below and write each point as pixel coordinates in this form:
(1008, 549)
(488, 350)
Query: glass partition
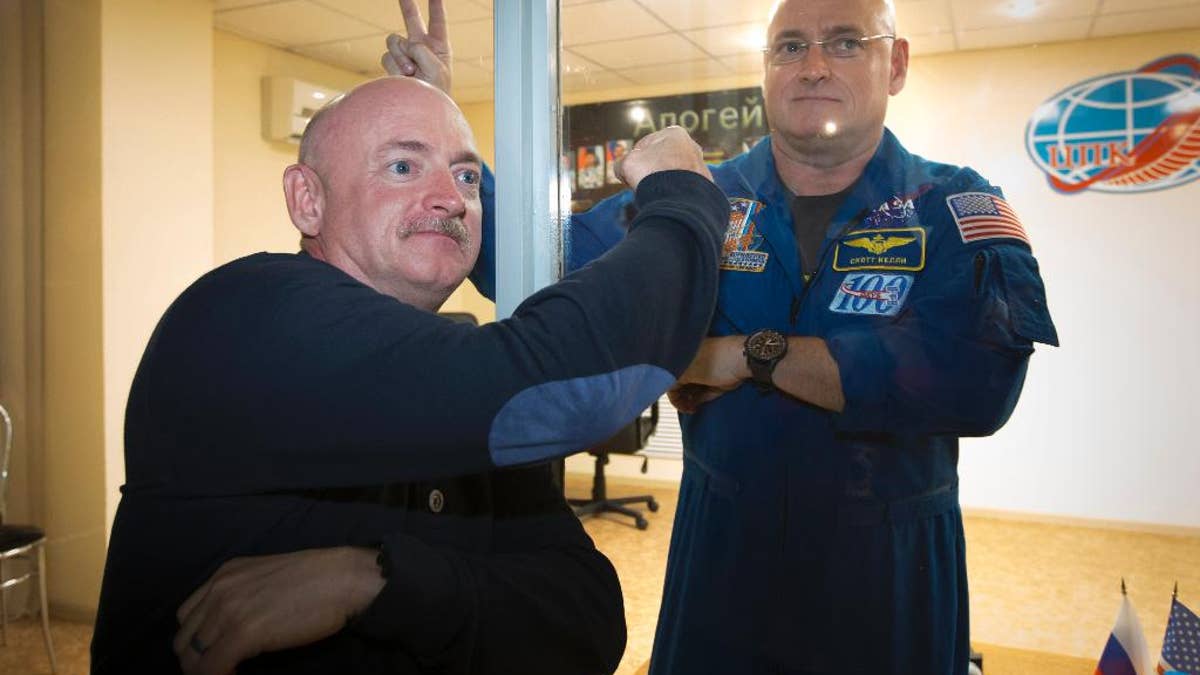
(631, 68)
(1084, 115)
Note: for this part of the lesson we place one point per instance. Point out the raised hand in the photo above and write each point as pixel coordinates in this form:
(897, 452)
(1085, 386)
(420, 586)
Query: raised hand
(425, 53)
(667, 148)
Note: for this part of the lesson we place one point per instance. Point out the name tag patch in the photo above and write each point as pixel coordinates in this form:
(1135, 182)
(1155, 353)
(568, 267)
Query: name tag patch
(872, 294)
(897, 249)
(740, 252)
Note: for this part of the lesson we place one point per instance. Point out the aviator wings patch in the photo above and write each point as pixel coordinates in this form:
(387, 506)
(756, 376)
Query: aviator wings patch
(878, 244)
(900, 249)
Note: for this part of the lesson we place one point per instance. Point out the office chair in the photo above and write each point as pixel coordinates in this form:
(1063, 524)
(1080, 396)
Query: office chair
(20, 542)
(628, 440)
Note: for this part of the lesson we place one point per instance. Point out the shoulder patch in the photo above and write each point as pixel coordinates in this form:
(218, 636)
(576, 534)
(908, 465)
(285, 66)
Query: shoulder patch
(981, 215)
(899, 249)
(740, 251)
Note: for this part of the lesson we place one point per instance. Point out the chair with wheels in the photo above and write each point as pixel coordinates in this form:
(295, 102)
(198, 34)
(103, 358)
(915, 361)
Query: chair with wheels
(628, 440)
(20, 542)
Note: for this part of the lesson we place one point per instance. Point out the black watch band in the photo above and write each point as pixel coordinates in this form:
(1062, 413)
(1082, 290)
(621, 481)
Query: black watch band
(764, 349)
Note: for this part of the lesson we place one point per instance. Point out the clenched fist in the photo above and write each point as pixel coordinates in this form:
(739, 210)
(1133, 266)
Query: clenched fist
(666, 149)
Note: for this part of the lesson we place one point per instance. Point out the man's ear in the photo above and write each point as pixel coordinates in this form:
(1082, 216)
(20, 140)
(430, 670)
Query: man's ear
(305, 197)
(899, 66)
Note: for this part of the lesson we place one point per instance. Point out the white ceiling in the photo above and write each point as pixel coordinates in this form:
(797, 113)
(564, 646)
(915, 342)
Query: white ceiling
(617, 43)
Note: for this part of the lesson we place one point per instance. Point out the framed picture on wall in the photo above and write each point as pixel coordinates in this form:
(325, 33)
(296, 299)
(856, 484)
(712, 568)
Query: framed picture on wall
(589, 167)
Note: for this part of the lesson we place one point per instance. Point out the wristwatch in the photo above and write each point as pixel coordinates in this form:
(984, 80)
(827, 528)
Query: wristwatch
(764, 349)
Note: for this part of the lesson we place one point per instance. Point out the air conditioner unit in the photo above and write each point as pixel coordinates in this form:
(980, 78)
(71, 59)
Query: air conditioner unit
(288, 105)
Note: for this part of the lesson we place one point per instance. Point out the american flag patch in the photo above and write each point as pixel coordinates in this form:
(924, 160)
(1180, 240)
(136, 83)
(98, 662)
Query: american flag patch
(980, 216)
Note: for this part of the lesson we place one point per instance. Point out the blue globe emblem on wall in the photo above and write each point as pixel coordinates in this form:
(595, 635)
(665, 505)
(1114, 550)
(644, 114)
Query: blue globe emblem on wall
(1123, 132)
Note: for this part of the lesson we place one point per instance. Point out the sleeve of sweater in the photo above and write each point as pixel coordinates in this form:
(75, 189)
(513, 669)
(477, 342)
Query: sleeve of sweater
(289, 374)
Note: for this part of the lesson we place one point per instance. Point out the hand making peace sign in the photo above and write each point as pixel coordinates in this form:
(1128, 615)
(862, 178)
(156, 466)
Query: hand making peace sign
(424, 54)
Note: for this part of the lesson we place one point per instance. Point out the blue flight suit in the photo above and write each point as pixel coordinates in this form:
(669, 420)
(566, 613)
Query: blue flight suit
(807, 541)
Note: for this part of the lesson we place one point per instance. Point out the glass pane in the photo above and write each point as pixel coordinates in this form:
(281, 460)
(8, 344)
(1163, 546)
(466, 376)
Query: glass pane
(630, 68)
(1049, 102)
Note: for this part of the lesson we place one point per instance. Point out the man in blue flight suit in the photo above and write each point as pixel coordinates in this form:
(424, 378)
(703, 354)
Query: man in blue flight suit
(874, 308)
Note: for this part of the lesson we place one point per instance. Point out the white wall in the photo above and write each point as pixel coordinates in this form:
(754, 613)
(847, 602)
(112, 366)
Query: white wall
(1103, 429)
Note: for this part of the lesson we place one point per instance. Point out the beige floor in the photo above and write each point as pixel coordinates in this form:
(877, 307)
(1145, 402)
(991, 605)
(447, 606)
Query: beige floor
(25, 653)
(1056, 588)
(1043, 597)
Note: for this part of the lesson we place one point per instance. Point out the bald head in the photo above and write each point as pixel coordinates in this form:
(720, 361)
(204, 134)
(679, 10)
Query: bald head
(312, 132)
(881, 14)
(360, 105)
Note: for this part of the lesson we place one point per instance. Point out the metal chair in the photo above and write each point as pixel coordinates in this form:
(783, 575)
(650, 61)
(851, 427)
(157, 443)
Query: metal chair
(20, 542)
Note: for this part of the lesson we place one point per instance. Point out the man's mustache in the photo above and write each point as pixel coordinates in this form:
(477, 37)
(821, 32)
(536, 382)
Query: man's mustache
(451, 227)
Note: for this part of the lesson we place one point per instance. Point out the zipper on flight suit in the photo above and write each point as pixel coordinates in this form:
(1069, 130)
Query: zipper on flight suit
(798, 301)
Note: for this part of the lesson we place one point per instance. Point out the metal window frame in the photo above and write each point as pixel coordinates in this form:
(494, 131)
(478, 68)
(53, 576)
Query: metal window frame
(530, 212)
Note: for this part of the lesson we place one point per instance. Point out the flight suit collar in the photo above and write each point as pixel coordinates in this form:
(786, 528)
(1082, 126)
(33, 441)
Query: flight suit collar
(883, 176)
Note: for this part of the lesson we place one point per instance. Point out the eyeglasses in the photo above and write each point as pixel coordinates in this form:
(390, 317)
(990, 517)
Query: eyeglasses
(790, 51)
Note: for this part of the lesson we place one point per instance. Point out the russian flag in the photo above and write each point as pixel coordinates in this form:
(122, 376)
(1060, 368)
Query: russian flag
(1126, 652)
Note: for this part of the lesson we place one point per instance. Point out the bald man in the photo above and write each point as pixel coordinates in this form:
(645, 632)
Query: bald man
(874, 308)
(325, 476)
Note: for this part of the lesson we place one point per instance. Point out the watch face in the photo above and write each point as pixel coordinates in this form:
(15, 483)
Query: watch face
(766, 345)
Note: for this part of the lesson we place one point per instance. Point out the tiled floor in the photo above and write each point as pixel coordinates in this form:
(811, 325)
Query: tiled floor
(1043, 597)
